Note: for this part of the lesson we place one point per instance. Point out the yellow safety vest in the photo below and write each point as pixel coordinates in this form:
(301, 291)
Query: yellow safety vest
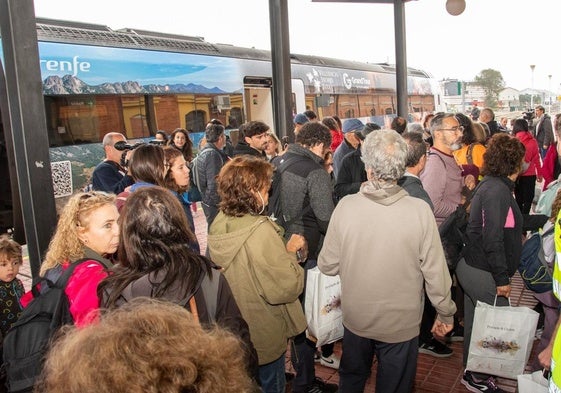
(555, 380)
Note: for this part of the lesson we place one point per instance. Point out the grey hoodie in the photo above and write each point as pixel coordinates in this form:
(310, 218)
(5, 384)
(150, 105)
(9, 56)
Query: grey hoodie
(385, 246)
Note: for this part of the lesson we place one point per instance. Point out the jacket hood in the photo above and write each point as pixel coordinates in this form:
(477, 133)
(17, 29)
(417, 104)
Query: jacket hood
(384, 196)
(524, 136)
(228, 235)
(301, 150)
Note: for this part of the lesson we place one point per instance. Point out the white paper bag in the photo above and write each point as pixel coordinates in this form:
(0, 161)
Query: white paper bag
(501, 340)
(323, 307)
(532, 383)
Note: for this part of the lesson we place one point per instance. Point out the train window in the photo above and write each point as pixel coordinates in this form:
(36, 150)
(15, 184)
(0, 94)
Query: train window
(195, 120)
(348, 106)
(368, 105)
(82, 119)
(235, 118)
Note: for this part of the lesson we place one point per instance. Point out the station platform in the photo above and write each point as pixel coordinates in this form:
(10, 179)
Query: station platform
(434, 375)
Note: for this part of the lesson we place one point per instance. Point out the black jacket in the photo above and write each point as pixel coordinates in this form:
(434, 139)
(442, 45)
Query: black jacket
(306, 196)
(243, 148)
(495, 229)
(109, 176)
(413, 186)
(351, 174)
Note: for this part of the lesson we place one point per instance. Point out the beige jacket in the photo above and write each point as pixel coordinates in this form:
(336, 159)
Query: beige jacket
(385, 246)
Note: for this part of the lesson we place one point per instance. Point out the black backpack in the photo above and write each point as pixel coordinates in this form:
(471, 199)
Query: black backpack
(287, 162)
(533, 267)
(28, 340)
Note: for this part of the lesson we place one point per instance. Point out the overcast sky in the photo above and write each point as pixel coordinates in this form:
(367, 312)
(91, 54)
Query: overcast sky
(505, 35)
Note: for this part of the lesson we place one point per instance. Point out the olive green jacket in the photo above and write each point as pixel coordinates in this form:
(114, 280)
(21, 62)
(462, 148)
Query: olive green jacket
(265, 278)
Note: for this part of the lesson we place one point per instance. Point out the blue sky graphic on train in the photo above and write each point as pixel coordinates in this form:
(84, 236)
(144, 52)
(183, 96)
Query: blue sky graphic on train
(95, 66)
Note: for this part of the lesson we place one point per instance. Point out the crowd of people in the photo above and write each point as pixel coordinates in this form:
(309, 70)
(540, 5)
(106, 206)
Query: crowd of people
(361, 201)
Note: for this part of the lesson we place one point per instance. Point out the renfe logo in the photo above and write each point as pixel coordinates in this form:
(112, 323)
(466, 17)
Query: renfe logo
(67, 66)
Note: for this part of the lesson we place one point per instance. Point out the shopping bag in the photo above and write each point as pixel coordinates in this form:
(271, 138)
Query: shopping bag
(532, 383)
(323, 307)
(501, 339)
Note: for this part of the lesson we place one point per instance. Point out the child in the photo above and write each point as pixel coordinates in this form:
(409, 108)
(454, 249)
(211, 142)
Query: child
(11, 290)
(11, 287)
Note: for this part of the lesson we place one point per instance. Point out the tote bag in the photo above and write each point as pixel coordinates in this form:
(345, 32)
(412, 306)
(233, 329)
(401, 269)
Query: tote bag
(532, 383)
(323, 307)
(501, 339)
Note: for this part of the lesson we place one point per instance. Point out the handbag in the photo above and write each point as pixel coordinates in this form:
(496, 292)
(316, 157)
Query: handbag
(323, 307)
(532, 383)
(501, 339)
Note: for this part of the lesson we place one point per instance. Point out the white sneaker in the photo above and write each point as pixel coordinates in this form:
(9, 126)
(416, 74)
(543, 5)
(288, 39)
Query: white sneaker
(331, 361)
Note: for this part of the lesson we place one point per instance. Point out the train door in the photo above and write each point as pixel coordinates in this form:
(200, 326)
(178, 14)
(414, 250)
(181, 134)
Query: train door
(258, 99)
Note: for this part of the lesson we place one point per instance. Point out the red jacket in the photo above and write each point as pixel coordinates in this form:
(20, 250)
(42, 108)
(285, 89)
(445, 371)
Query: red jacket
(336, 139)
(532, 155)
(81, 291)
(550, 168)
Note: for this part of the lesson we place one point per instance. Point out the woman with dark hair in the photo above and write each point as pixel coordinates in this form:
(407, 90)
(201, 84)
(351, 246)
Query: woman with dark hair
(177, 181)
(147, 168)
(336, 133)
(472, 150)
(494, 234)
(180, 140)
(526, 183)
(261, 269)
(156, 261)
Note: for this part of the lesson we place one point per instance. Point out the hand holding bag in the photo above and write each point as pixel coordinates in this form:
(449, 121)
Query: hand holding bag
(501, 339)
(323, 307)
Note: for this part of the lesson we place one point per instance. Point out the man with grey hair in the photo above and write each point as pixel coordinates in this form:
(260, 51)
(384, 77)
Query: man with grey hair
(109, 175)
(385, 246)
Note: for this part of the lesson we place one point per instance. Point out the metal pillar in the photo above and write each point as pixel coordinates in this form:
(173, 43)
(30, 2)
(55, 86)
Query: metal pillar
(26, 114)
(17, 219)
(400, 59)
(280, 59)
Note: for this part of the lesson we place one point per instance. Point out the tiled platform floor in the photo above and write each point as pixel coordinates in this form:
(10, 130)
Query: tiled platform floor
(433, 375)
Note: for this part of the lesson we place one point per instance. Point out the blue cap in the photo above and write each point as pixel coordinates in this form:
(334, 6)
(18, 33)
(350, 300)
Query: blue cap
(300, 118)
(352, 125)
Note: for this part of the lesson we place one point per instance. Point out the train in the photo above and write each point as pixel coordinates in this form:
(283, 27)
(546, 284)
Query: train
(97, 80)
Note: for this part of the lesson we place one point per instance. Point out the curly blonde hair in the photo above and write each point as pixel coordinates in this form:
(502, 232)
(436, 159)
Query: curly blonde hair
(146, 345)
(65, 244)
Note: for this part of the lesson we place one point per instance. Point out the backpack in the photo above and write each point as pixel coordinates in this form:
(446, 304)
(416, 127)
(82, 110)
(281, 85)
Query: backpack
(274, 206)
(545, 201)
(453, 232)
(533, 267)
(194, 191)
(28, 340)
(143, 287)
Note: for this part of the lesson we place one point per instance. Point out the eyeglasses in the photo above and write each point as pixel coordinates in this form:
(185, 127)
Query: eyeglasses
(454, 129)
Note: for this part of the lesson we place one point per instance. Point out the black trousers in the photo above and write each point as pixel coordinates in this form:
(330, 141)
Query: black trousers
(524, 191)
(397, 364)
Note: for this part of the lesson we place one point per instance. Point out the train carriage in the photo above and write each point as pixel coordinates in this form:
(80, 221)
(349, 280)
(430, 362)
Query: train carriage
(97, 80)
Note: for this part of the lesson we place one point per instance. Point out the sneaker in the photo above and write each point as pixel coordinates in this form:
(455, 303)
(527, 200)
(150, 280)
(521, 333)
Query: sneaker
(474, 385)
(319, 386)
(435, 348)
(456, 334)
(331, 361)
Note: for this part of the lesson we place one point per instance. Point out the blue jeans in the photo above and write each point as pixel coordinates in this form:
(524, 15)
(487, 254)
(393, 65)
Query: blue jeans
(272, 376)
